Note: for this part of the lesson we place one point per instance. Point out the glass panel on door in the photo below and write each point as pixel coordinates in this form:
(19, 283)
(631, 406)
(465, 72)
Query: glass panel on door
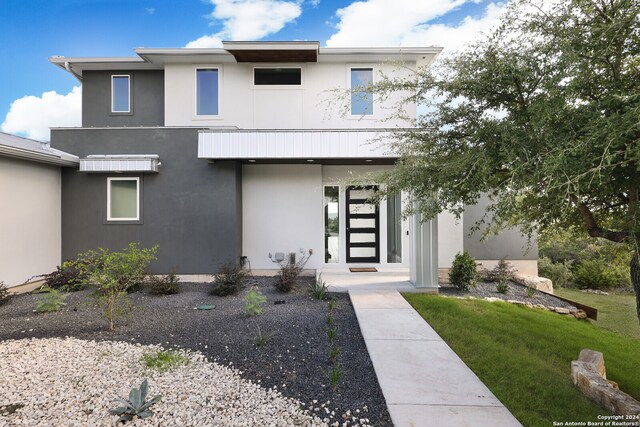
(363, 225)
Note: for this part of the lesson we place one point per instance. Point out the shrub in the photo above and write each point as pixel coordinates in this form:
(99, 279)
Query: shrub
(559, 272)
(5, 295)
(164, 285)
(253, 302)
(335, 374)
(229, 280)
(50, 301)
(572, 247)
(115, 273)
(290, 270)
(463, 272)
(503, 271)
(502, 286)
(318, 289)
(261, 339)
(68, 277)
(74, 275)
(530, 292)
(164, 360)
(594, 274)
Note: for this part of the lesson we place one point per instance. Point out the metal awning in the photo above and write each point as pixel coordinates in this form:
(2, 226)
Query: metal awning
(295, 144)
(120, 163)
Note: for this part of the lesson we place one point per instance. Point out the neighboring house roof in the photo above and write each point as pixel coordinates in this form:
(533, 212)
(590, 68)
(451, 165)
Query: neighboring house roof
(36, 151)
(255, 52)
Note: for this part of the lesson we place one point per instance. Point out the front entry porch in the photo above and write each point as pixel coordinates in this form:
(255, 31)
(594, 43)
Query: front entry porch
(386, 278)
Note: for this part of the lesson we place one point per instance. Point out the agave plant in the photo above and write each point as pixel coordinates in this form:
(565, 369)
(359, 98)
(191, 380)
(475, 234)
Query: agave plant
(135, 406)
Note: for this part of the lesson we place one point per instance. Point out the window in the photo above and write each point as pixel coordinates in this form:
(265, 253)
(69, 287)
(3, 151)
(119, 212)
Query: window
(207, 92)
(123, 199)
(277, 76)
(120, 94)
(361, 100)
(331, 224)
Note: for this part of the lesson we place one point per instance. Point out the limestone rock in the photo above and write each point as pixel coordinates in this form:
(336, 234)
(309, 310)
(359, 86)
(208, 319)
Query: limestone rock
(588, 374)
(540, 283)
(596, 359)
(579, 314)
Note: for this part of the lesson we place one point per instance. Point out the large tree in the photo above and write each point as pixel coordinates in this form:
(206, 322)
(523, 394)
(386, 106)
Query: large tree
(543, 115)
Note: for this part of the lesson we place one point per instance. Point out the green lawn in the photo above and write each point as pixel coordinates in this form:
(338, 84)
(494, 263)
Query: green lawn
(616, 311)
(524, 355)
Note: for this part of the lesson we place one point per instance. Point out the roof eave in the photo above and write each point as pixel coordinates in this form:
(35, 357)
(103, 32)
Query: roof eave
(53, 159)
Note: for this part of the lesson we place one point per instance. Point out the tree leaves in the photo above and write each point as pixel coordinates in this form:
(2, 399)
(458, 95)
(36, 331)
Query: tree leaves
(543, 115)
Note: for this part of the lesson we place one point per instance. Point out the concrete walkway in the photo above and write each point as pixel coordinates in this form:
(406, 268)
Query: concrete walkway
(423, 381)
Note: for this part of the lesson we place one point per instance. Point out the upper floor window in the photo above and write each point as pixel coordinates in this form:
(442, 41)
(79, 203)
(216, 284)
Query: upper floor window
(207, 92)
(277, 76)
(361, 99)
(121, 94)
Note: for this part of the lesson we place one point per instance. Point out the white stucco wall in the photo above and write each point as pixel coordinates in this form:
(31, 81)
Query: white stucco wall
(450, 238)
(246, 106)
(30, 235)
(281, 212)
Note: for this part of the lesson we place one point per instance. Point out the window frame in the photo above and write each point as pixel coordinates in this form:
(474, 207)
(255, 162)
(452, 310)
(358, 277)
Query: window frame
(372, 115)
(128, 111)
(195, 92)
(138, 203)
(266, 67)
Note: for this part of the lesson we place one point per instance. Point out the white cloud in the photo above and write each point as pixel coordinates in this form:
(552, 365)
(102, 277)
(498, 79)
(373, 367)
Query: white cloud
(406, 23)
(32, 116)
(248, 20)
(206, 41)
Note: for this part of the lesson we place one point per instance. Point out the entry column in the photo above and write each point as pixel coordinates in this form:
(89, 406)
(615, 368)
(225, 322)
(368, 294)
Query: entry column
(424, 252)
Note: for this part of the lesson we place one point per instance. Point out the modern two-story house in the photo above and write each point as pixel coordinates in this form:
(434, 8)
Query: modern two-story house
(242, 151)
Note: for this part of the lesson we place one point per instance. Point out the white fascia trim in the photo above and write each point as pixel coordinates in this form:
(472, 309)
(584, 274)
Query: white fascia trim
(289, 45)
(180, 51)
(380, 50)
(53, 159)
(61, 60)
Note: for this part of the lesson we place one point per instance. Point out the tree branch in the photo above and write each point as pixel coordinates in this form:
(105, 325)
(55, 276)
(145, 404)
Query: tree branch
(592, 225)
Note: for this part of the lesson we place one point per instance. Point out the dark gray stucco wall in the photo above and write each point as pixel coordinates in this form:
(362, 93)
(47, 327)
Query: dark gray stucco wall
(509, 244)
(192, 208)
(147, 99)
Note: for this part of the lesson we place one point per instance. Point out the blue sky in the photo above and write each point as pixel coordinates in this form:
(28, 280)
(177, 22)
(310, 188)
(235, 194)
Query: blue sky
(33, 30)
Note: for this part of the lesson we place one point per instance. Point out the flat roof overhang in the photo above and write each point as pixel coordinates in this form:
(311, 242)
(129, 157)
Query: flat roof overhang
(340, 146)
(120, 163)
(247, 52)
(273, 52)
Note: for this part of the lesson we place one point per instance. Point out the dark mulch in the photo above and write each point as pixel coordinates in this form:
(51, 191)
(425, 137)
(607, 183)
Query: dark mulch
(516, 292)
(295, 361)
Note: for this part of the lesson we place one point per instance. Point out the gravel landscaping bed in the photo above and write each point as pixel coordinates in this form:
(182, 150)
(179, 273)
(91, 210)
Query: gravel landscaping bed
(71, 382)
(295, 362)
(516, 292)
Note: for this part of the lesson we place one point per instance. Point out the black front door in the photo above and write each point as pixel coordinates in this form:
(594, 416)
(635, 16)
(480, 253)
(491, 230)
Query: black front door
(363, 225)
